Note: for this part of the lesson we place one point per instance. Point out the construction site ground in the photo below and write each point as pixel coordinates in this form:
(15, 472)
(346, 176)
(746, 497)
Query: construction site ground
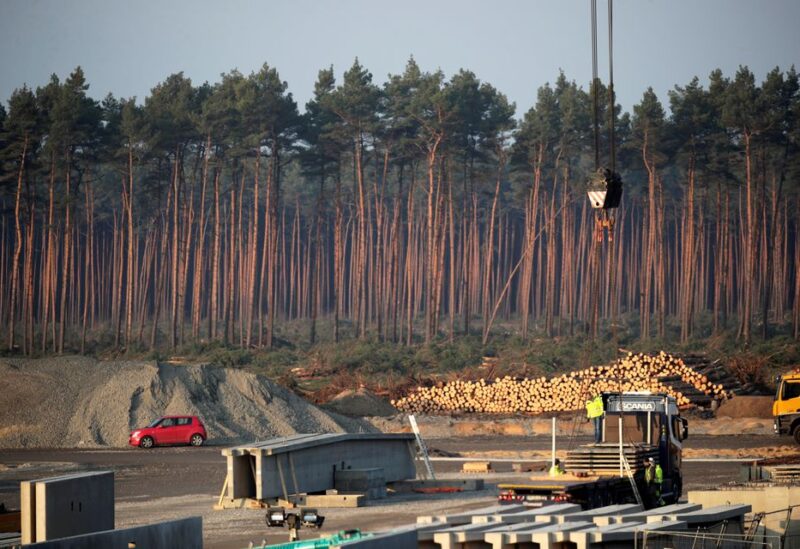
(170, 483)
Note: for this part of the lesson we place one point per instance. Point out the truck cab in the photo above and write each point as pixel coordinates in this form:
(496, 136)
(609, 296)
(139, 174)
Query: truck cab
(786, 406)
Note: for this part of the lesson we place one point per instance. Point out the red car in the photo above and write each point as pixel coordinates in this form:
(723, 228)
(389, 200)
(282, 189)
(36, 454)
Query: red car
(170, 430)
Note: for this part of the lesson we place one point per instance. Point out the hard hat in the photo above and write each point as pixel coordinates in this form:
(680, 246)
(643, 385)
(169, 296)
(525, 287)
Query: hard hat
(651, 460)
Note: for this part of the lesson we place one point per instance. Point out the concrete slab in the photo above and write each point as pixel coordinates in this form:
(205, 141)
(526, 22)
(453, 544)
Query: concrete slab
(716, 513)
(659, 512)
(184, 533)
(541, 514)
(466, 516)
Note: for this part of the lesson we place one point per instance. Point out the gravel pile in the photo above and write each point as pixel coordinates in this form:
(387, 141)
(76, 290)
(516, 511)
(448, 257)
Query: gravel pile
(78, 401)
(360, 403)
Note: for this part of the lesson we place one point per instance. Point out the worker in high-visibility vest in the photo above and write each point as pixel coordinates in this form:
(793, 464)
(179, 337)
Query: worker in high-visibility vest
(594, 413)
(654, 479)
(556, 469)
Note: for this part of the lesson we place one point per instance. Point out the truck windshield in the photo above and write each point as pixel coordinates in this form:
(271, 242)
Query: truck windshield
(791, 389)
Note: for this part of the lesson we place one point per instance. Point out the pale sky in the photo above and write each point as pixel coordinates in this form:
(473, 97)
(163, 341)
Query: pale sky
(127, 47)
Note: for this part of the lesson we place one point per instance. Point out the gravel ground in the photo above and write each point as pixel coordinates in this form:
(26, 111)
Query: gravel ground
(166, 483)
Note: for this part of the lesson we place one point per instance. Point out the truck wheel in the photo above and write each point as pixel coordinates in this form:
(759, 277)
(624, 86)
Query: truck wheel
(796, 434)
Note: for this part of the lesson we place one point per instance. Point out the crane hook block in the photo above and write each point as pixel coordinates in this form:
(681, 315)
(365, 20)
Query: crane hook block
(605, 189)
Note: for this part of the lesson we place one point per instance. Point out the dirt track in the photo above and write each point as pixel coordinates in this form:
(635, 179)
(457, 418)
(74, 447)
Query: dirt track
(170, 483)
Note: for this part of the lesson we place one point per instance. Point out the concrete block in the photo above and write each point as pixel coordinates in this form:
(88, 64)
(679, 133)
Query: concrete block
(66, 505)
(370, 482)
(330, 500)
(184, 533)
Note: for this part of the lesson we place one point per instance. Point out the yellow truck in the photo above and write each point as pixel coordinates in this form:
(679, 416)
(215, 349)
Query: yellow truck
(786, 407)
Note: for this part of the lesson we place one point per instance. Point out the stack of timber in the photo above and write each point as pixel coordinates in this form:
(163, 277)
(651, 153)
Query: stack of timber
(604, 458)
(717, 372)
(507, 395)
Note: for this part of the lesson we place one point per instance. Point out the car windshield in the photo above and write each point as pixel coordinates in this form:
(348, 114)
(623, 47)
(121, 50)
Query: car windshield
(155, 422)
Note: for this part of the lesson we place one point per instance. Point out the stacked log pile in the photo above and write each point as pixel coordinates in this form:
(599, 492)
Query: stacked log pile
(659, 373)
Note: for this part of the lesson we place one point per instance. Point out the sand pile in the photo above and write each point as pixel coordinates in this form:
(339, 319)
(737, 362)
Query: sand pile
(360, 403)
(78, 401)
(741, 406)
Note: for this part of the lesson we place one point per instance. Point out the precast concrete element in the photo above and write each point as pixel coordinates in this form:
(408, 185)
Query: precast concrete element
(402, 538)
(464, 535)
(620, 535)
(658, 512)
(184, 533)
(544, 514)
(543, 534)
(774, 500)
(566, 525)
(68, 505)
(466, 516)
(300, 464)
(370, 482)
(600, 514)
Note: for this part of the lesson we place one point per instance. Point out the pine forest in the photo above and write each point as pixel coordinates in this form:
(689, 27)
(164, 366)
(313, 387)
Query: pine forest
(409, 211)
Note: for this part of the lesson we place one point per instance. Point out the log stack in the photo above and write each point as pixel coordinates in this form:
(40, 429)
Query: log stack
(661, 373)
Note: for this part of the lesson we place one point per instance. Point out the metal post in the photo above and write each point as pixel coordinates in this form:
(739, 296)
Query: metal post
(553, 458)
(621, 455)
(649, 425)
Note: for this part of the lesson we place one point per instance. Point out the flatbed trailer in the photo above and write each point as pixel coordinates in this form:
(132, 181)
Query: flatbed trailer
(588, 492)
(637, 426)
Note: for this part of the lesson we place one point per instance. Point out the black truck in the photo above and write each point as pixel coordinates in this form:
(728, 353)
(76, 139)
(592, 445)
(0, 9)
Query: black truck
(651, 426)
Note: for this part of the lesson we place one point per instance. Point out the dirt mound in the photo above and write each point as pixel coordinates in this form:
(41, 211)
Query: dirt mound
(746, 406)
(78, 401)
(360, 403)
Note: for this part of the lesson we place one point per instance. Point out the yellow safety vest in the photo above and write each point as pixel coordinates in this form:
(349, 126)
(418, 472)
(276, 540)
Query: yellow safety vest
(594, 407)
(555, 471)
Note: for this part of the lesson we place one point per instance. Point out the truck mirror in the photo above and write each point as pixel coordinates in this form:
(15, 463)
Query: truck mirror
(685, 430)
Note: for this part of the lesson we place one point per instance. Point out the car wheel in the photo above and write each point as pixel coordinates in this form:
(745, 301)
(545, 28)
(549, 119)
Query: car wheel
(196, 440)
(146, 442)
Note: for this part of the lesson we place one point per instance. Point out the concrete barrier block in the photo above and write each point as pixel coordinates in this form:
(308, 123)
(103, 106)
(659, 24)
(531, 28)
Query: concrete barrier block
(74, 504)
